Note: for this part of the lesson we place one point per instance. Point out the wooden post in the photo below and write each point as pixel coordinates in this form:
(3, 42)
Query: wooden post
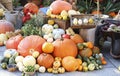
(98, 8)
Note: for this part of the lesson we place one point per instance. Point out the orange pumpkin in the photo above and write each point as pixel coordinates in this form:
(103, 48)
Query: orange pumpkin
(47, 47)
(70, 63)
(30, 42)
(96, 12)
(77, 38)
(96, 50)
(64, 47)
(31, 7)
(112, 14)
(45, 60)
(6, 26)
(13, 42)
(58, 6)
(86, 52)
(90, 45)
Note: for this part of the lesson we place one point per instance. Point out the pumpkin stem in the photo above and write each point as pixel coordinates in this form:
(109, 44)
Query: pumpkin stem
(44, 54)
(31, 51)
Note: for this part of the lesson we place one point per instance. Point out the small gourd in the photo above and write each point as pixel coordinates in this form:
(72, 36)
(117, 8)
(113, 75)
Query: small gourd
(58, 59)
(21, 68)
(57, 64)
(35, 54)
(84, 64)
(42, 69)
(91, 67)
(80, 22)
(80, 68)
(3, 38)
(61, 70)
(75, 21)
(50, 40)
(49, 70)
(85, 20)
(19, 64)
(55, 71)
(85, 68)
(37, 67)
(7, 54)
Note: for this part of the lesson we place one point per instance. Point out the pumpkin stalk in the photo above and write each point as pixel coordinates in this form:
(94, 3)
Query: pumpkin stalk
(31, 51)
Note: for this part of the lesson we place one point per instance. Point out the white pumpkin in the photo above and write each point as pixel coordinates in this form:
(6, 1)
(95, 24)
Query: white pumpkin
(72, 12)
(46, 28)
(3, 38)
(58, 31)
(42, 69)
(19, 59)
(7, 54)
(57, 36)
(29, 61)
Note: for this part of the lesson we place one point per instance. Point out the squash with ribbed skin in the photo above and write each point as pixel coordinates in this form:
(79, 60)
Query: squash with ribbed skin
(70, 63)
(45, 60)
(30, 42)
(58, 6)
(31, 7)
(77, 38)
(6, 26)
(64, 47)
(13, 42)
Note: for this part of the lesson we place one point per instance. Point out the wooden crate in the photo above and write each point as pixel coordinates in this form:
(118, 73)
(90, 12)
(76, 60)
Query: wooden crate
(82, 26)
(64, 24)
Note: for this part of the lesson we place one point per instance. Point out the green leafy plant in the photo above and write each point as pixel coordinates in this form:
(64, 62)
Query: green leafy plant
(33, 26)
(108, 6)
(16, 3)
(47, 2)
(85, 6)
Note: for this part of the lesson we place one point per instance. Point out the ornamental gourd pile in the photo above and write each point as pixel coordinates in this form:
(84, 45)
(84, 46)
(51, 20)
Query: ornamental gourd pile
(55, 51)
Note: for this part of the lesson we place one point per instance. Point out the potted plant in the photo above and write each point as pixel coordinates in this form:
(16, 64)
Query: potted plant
(29, 70)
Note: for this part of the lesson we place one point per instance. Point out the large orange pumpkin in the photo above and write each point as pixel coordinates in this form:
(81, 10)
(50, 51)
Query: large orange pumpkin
(45, 60)
(77, 38)
(64, 47)
(13, 42)
(70, 63)
(30, 42)
(58, 6)
(6, 26)
(31, 7)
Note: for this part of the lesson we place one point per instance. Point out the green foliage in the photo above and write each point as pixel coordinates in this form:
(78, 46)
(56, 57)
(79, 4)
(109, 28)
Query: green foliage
(16, 3)
(85, 6)
(106, 6)
(109, 6)
(33, 26)
(29, 68)
(47, 2)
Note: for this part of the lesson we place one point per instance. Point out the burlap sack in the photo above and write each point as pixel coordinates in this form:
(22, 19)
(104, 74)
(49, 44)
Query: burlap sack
(6, 5)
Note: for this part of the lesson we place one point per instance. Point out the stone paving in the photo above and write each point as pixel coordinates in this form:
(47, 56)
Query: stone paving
(109, 70)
